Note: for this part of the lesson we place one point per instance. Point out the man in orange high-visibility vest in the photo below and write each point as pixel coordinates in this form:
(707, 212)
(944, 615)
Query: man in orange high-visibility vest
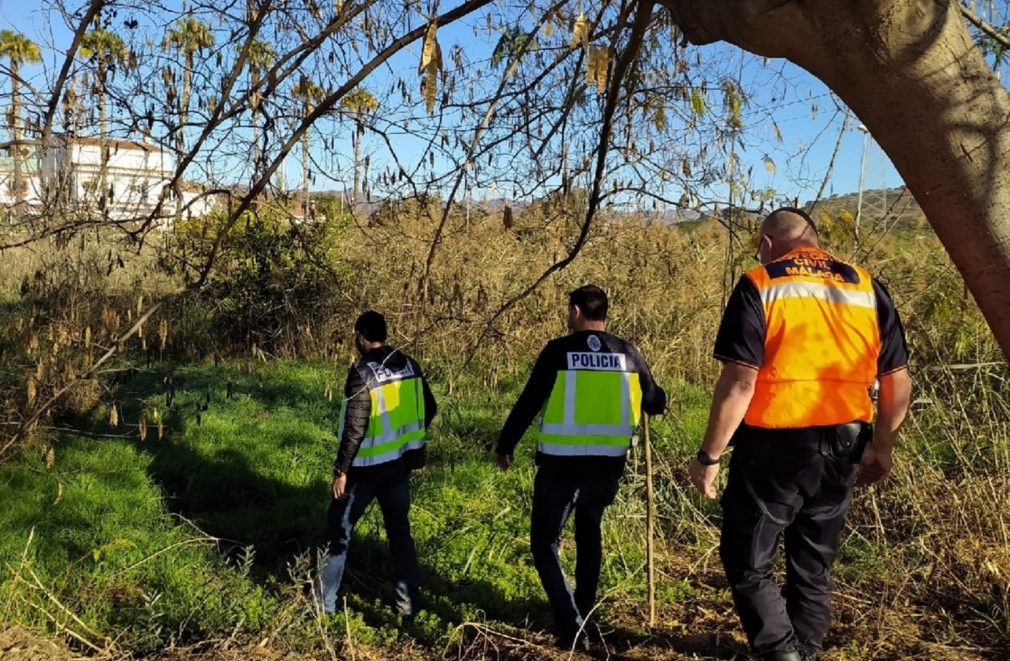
(803, 338)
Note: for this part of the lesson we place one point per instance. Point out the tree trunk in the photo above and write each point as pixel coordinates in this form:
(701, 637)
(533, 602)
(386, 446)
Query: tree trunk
(305, 170)
(180, 138)
(103, 140)
(19, 183)
(359, 130)
(254, 77)
(910, 71)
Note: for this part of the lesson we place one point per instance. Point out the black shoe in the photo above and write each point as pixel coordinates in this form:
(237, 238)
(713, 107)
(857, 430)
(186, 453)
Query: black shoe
(782, 656)
(573, 640)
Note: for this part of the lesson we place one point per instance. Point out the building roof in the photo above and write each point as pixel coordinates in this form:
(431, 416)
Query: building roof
(116, 143)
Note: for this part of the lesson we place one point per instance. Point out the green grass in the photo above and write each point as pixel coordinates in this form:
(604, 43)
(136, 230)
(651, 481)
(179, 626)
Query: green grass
(105, 547)
(211, 531)
(113, 541)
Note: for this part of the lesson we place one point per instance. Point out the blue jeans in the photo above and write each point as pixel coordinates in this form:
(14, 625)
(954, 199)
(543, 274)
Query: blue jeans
(394, 500)
(554, 498)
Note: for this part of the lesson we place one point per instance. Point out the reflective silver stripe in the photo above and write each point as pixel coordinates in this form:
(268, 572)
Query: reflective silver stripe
(380, 401)
(626, 398)
(572, 429)
(571, 378)
(390, 436)
(392, 455)
(582, 450)
(418, 399)
(414, 445)
(819, 290)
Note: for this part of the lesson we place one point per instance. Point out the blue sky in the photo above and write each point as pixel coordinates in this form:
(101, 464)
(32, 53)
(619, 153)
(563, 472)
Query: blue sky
(806, 115)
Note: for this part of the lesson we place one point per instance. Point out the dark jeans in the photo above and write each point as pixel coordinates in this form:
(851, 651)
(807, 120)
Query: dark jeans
(786, 484)
(554, 498)
(394, 500)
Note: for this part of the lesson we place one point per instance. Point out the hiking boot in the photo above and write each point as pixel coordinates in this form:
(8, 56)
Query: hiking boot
(565, 641)
(791, 655)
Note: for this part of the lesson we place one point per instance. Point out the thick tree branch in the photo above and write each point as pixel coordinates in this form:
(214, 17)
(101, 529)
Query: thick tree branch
(68, 61)
(766, 27)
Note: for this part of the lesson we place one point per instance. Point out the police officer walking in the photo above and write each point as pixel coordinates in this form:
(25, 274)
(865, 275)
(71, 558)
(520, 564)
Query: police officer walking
(387, 409)
(802, 340)
(587, 391)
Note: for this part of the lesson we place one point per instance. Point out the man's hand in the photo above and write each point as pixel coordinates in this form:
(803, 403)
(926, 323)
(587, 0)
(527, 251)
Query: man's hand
(339, 486)
(703, 477)
(503, 461)
(875, 466)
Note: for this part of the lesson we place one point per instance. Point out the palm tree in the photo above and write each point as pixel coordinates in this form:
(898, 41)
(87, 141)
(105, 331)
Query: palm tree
(188, 37)
(107, 50)
(260, 56)
(19, 49)
(310, 94)
(359, 103)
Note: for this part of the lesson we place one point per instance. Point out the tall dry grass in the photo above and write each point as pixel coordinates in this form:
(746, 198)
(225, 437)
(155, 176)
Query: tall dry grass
(926, 564)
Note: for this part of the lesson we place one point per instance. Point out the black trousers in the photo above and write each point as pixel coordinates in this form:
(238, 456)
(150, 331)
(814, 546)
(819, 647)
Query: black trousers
(787, 484)
(555, 497)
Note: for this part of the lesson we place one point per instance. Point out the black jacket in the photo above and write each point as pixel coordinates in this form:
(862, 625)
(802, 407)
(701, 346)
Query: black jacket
(553, 359)
(358, 412)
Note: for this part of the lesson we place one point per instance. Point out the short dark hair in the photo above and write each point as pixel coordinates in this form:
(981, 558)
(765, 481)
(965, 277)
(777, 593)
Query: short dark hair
(371, 325)
(591, 300)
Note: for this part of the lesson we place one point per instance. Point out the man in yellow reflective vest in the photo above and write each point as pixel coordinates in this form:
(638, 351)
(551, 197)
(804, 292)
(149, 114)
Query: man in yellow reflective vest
(803, 338)
(587, 392)
(387, 410)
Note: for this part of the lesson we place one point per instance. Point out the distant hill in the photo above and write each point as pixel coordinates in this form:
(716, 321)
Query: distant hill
(897, 203)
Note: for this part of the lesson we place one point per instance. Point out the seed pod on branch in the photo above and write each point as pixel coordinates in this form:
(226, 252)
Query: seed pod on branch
(430, 66)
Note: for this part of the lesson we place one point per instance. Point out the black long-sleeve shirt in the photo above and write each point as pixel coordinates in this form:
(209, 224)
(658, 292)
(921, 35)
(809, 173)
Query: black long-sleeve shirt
(554, 359)
(359, 409)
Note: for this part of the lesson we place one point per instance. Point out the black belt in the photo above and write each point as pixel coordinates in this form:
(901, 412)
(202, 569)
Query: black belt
(843, 441)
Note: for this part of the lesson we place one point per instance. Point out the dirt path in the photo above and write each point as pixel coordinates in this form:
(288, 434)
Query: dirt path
(20, 644)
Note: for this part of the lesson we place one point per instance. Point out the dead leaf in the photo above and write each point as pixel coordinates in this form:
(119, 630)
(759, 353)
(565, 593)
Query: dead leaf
(430, 66)
(580, 32)
(430, 52)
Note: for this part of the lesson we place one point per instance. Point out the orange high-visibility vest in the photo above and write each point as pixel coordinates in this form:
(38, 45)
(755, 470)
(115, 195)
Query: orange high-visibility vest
(821, 342)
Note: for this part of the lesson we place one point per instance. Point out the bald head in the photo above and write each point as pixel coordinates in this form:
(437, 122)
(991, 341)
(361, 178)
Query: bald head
(786, 229)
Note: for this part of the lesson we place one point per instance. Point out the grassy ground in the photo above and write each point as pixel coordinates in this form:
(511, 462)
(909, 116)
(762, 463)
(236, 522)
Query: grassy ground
(205, 536)
(208, 531)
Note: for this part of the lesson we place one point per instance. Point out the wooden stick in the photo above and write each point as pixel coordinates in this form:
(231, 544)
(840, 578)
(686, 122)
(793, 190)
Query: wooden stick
(649, 509)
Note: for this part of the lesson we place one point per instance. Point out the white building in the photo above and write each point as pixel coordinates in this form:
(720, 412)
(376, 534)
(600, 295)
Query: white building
(70, 178)
(31, 195)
